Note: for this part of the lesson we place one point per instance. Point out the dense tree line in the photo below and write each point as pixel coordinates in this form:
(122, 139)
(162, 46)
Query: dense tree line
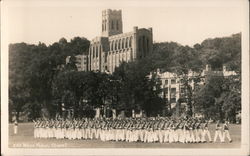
(32, 69)
(41, 83)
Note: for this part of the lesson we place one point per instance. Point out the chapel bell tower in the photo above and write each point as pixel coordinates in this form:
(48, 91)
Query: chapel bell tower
(111, 22)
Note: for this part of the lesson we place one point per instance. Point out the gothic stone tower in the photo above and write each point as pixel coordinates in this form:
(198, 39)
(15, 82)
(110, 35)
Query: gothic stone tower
(111, 22)
(108, 51)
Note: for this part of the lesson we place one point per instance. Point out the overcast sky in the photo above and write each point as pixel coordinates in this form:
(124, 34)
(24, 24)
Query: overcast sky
(184, 22)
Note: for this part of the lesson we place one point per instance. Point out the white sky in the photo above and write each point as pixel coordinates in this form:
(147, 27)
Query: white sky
(186, 22)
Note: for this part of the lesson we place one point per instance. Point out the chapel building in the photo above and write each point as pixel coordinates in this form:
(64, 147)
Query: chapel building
(114, 47)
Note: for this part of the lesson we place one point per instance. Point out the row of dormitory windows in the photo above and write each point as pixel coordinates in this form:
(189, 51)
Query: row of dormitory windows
(120, 44)
(113, 25)
(166, 94)
(167, 81)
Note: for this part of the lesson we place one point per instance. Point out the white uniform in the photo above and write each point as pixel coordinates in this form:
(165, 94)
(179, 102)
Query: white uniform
(226, 132)
(218, 133)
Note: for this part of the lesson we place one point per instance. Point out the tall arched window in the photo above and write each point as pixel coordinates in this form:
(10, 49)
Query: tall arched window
(112, 25)
(115, 45)
(105, 25)
(119, 44)
(110, 46)
(117, 25)
(126, 42)
(123, 41)
(93, 49)
(140, 44)
(97, 50)
(144, 45)
(130, 42)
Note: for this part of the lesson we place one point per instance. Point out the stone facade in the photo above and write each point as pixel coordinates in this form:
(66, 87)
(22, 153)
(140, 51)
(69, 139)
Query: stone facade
(107, 51)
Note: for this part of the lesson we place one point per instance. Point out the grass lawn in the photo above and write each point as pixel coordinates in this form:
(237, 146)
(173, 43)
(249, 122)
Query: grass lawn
(25, 138)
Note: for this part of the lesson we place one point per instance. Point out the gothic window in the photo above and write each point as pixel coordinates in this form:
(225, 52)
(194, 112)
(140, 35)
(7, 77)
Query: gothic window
(105, 57)
(117, 25)
(140, 44)
(119, 45)
(110, 46)
(113, 45)
(93, 51)
(123, 43)
(116, 45)
(97, 50)
(102, 27)
(112, 25)
(126, 44)
(105, 24)
(130, 42)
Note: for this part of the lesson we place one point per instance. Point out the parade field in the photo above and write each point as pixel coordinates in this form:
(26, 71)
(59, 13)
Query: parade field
(25, 139)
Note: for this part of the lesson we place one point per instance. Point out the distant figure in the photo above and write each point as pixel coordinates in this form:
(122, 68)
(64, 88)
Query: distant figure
(15, 127)
(226, 132)
(218, 132)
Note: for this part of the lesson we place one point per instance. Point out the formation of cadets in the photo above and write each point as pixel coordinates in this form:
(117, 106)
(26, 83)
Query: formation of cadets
(163, 130)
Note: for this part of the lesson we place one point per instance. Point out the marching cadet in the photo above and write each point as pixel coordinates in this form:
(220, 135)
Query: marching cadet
(166, 129)
(127, 133)
(146, 131)
(64, 129)
(182, 128)
(226, 132)
(192, 131)
(15, 126)
(78, 130)
(172, 133)
(186, 132)
(98, 129)
(130, 129)
(35, 128)
(160, 131)
(84, 125)
(206, 132)
(218, 132)
(154, 131)
(141, 130)
(198, 131)
(177, 131)
(102, 130)
(60, 129)
(56, 129)
(46, 129)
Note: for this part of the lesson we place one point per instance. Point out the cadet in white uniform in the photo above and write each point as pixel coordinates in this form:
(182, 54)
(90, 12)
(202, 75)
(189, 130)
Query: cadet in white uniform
(226, 132)
(218, 132)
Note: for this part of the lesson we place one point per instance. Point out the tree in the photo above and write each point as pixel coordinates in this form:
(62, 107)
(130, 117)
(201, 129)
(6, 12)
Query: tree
(207, 98)
(19, 87)
(137, 91)
(230, 99)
